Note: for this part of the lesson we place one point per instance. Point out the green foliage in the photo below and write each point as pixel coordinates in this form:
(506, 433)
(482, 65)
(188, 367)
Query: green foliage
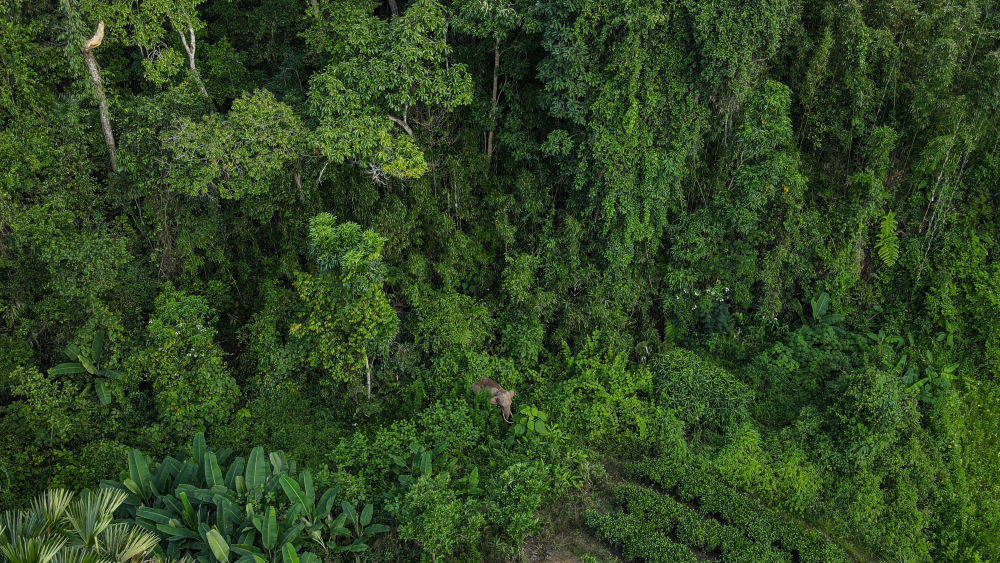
(743, 253)
(437, 519)
(702, 395)
(89, 362)
(59, 527)
(210, 503)
(251, 151)
(363, 98)
(191, 385)
(349, 319)
(888, 240)
(531, 423)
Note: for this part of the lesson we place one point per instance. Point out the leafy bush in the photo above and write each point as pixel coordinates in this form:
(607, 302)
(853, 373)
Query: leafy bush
(192, 387)
(438, 520)
(701, 394)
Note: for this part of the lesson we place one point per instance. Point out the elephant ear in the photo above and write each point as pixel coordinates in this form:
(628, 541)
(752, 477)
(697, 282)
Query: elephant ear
(495, 400)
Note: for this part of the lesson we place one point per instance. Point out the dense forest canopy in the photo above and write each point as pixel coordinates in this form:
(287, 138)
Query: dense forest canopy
(738, 259)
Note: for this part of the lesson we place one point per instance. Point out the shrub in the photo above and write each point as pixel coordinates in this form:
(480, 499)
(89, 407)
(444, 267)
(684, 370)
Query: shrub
(438, 520)
(192, 387)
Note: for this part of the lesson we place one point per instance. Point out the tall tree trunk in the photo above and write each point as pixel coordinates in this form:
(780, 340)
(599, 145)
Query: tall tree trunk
(496, 93)
(368, 375)
(393, 7)
(102, 98)
(190, 48)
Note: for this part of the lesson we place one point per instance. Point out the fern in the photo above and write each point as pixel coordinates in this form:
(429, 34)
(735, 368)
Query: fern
(888, 241)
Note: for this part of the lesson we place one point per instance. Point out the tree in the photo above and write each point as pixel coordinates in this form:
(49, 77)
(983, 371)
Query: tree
(251, 151)
(102, 98)
(147, 23)
(192, 387)
(375, 92)
(348, 318)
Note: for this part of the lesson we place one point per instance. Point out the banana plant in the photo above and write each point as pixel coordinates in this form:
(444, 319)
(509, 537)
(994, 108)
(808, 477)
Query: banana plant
(826, 322)
(89, 361)
(421, 462)
(207, 506)
(329, 533)
(355, 528)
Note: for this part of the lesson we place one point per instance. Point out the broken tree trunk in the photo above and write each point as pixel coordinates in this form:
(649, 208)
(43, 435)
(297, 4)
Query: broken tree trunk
(102, 98)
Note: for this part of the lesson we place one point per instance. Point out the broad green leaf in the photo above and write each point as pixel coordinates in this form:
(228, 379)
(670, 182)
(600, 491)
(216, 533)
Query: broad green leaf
(326, 502)
(199, 447)
(366, 514)
(102, 392)
(133, 487)
(269, 530)
(247, 549)
(157, 515)
(72, 352)
(820, 305)
(349, 511)
(177, 531)
(288, 554)
(85, 361)
(138, 470)
(187, 474)
(235, 469)
(112, 374)
(219, 545)
(213, 473)
(256, 470)
(189, 514)
(307, 487)
(294, 493)
(97, 348)
(67, 368)
(541, 428)
(291, 534)
(278, 462)
(226, 511)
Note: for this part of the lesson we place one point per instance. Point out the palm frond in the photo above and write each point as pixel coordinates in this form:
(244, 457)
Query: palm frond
(50, 506)
(127, 542)
(92, 513)
(78, 555)
(33, 550)
(12, 525)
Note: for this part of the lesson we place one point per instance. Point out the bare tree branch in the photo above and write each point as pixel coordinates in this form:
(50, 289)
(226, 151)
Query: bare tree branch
(402, 124)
